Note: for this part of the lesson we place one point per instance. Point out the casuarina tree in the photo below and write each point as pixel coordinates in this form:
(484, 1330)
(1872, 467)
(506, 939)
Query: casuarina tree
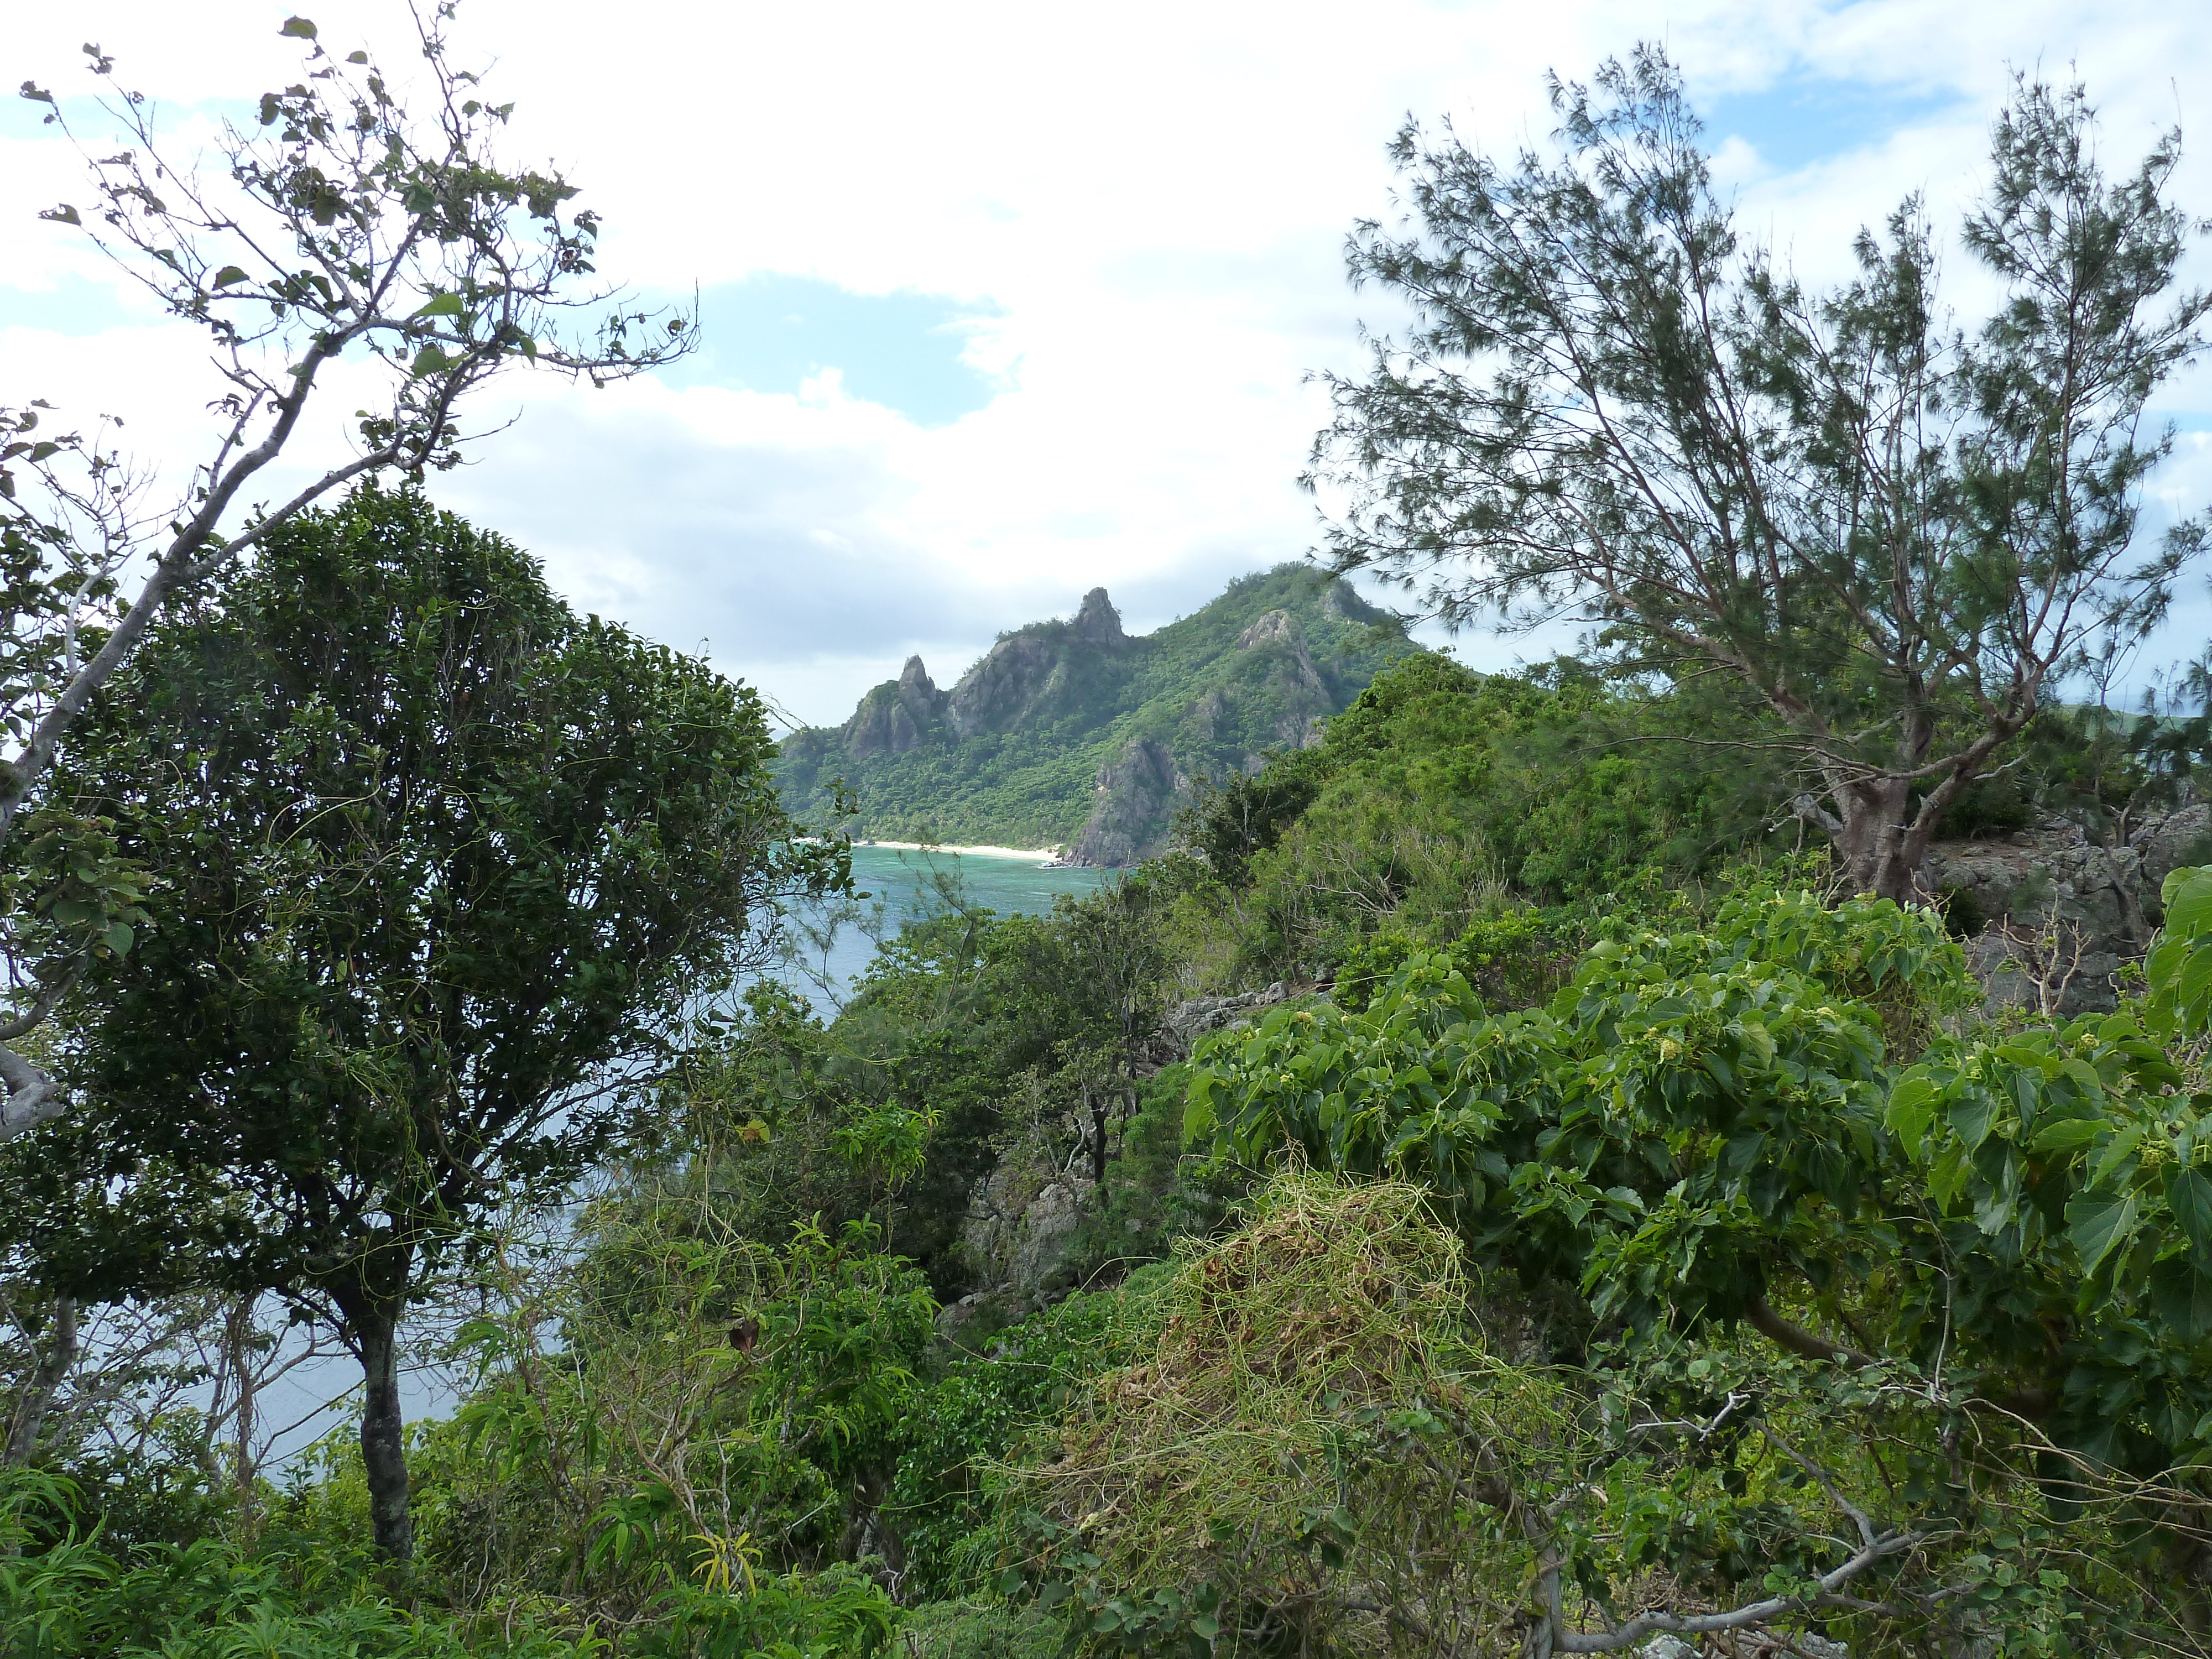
(443, 872)
(1900, 535)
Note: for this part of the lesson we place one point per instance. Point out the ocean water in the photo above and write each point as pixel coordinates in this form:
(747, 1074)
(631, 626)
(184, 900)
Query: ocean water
(903, 884)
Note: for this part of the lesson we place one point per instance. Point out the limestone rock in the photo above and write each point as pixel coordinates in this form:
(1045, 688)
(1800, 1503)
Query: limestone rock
(1185, 1023)
(898, 715)
(1344, 604)
(1021, 1219)
(1137, 792)
(1099, 622)
(2051, 913)
(2165, 844)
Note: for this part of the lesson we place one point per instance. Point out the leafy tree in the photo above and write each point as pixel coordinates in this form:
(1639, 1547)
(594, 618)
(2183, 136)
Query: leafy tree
(342, 225)
(1900, 539)
(445, 868)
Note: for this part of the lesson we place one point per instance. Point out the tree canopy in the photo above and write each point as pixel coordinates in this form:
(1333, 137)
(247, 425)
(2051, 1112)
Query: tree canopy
(1900, 537)
(443, 870)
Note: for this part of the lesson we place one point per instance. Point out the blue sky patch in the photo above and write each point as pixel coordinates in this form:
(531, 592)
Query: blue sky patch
(1799, 120)
(770, 331)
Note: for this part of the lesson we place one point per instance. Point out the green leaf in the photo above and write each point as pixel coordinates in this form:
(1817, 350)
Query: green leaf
(2189, 1195)
(117, 937)
(64, 215)
(2182, 1297)
(2099, 1223)
(1911, 1105)
(1972, 1119)
(227, 275)
(2069, 1134)
(441, 305)
(2115, 1153)
(35, 93)
(298, 28)
(356, 57)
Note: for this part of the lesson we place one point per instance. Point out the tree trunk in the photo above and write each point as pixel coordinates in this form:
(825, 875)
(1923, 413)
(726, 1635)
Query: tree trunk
(46, 1384)
(238, 1338)
(1879, 840)
(383, 1431)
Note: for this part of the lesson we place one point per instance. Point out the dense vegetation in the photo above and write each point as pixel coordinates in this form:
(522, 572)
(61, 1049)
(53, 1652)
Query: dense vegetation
(1020, 751)
(1497, 1184)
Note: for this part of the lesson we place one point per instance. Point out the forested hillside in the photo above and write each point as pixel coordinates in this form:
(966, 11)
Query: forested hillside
(1076, 735)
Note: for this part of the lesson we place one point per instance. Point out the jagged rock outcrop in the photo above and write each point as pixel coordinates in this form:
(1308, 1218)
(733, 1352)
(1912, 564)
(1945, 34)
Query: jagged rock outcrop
(1022, 1218)
(897, 715)
(1185, 1023)
(1136, 791)
(2165, 845)
(1040, 674)
(2050, 916)
(1097, 623)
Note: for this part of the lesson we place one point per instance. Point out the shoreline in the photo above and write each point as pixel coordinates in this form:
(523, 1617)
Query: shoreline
(1051, 853)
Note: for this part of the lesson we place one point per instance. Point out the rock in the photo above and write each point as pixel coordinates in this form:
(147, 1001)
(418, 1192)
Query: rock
(2168, 843)
(1667, 1647)
(1021, 1219)
(1344, 604)
(1186, 1021)
(1137, 795)
(1041, 1237)
(1001, 1301)
(1273, 628)
(2050, 916)
(1099, 622)
(897, 715)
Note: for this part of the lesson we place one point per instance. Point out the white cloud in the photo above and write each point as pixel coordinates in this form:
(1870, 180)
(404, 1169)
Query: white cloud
(1154, 197)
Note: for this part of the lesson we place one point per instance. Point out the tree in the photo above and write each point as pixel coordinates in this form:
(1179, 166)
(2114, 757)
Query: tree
(445, 870)
(344, 226)
(1899, 537)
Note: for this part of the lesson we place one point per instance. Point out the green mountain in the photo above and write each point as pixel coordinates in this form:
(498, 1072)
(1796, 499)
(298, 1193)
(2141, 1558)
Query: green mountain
(1076, 735)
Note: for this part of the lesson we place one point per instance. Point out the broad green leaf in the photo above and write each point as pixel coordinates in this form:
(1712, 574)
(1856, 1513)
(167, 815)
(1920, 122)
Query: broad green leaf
(298, 28)
(2182, 1297)
(2117, 1152)
(1973, 1118)
(227, 275)
(2099, 1223)
(1912, 1105)
(2069, 1134)
(441, 305)
(2189, 1195)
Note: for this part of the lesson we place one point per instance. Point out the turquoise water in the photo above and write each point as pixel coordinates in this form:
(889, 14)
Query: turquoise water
(903, 884)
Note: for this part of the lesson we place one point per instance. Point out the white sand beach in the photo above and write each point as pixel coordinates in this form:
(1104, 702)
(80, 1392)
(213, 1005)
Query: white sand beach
(965, 852)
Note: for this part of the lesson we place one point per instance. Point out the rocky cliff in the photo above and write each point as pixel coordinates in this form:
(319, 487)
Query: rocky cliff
(1076, 734)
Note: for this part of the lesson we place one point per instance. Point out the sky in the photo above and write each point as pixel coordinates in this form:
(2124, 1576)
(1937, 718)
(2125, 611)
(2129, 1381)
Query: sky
(1004, 302)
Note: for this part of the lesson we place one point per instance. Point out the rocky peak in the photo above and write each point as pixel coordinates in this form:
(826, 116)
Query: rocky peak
(1276, 628)
(897, 715)
(1099, 622)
